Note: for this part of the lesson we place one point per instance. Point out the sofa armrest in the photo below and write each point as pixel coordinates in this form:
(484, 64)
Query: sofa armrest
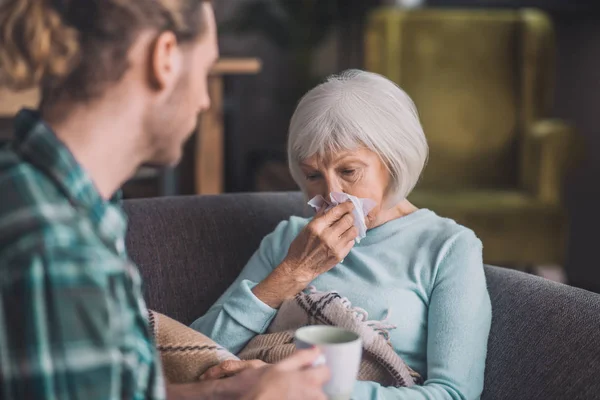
(546, 157)
(544, 339)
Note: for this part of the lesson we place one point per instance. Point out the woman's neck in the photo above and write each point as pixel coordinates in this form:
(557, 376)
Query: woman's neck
(400, 210)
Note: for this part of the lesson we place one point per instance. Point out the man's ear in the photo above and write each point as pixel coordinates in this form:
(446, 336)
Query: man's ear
(165, 61)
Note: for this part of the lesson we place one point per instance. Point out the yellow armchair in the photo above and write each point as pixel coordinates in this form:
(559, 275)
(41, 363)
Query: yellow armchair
(482, 81)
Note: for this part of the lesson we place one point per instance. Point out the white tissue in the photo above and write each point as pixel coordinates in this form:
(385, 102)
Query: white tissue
(362, 207)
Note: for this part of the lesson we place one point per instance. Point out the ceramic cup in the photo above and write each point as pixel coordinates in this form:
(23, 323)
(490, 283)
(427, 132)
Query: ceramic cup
(341, 352)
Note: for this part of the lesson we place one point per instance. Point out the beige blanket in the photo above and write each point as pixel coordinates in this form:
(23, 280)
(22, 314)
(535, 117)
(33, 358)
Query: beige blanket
(187, 354)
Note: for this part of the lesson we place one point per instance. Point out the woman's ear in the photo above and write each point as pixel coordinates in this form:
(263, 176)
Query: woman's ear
(165, 61)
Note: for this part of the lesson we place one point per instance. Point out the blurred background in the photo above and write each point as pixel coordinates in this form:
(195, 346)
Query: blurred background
(508, 92)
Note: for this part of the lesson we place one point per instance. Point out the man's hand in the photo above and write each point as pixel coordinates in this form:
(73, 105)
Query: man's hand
(230, 368)
(291, 379)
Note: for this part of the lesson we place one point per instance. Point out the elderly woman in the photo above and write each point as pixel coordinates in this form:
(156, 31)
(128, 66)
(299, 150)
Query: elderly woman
(359, 133)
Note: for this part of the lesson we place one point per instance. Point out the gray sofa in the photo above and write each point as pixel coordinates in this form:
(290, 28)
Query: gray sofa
(545, 338)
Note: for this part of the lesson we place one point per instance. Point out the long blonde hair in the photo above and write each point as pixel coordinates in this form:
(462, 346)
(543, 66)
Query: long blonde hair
(74, 47)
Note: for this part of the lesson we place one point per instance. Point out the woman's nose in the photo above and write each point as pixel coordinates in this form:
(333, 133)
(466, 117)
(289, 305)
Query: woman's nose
(333, 186)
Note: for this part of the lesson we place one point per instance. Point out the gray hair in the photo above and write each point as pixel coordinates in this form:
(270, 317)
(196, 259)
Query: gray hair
(360, 109)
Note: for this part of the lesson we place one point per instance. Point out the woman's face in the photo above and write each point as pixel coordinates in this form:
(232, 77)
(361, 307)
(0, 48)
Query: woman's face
(360, 173)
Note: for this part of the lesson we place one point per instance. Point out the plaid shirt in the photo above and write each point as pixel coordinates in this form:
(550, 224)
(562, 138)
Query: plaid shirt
(72, 319)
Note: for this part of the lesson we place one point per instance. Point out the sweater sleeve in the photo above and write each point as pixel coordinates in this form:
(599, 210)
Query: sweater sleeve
(458, 327)
(239, 315)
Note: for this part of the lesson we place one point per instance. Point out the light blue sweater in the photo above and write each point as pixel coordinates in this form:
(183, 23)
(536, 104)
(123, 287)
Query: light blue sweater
(425, 270)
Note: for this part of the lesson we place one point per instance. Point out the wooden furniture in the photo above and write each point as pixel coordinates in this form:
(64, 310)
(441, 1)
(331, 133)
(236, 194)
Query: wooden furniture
(210, 166)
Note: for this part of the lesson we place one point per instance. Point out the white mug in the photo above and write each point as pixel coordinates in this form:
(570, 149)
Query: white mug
(342, 353)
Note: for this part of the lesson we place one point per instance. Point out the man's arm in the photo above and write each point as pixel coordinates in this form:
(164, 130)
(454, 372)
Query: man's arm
(69, 328)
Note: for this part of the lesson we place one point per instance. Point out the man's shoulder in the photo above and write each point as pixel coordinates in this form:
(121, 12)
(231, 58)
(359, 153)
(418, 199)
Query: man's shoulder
(31, 205)
(8, 158)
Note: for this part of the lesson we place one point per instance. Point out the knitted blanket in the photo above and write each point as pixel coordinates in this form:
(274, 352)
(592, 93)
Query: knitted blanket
(185, 353)
(380, 362)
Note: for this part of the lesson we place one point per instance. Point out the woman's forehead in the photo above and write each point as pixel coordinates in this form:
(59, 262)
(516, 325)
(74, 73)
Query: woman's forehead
(361, 154)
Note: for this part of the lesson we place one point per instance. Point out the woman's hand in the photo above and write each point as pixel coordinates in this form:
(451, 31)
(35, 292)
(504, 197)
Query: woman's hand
(230, 368)
(322, 244)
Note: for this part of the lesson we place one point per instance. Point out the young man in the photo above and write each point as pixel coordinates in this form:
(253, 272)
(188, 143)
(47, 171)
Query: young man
(122, 84)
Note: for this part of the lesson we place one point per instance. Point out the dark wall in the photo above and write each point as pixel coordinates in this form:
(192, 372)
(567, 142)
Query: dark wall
(578, 100)
(255, 120)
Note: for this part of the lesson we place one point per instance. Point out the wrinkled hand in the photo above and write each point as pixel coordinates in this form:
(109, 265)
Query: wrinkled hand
(322, 244)
(292, 379)
(230, 368)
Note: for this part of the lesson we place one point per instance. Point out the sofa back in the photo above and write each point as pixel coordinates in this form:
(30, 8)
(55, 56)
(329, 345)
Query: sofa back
(545, 337)
(190, 249)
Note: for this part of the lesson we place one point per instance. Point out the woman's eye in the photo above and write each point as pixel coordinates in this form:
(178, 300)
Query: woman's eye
(348, 172)
(312, 177)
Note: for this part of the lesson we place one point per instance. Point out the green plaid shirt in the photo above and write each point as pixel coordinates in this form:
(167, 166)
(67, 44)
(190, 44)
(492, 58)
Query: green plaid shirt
(72, 319)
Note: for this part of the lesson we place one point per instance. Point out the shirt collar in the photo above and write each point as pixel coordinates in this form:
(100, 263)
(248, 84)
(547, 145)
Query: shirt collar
(36, 143)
